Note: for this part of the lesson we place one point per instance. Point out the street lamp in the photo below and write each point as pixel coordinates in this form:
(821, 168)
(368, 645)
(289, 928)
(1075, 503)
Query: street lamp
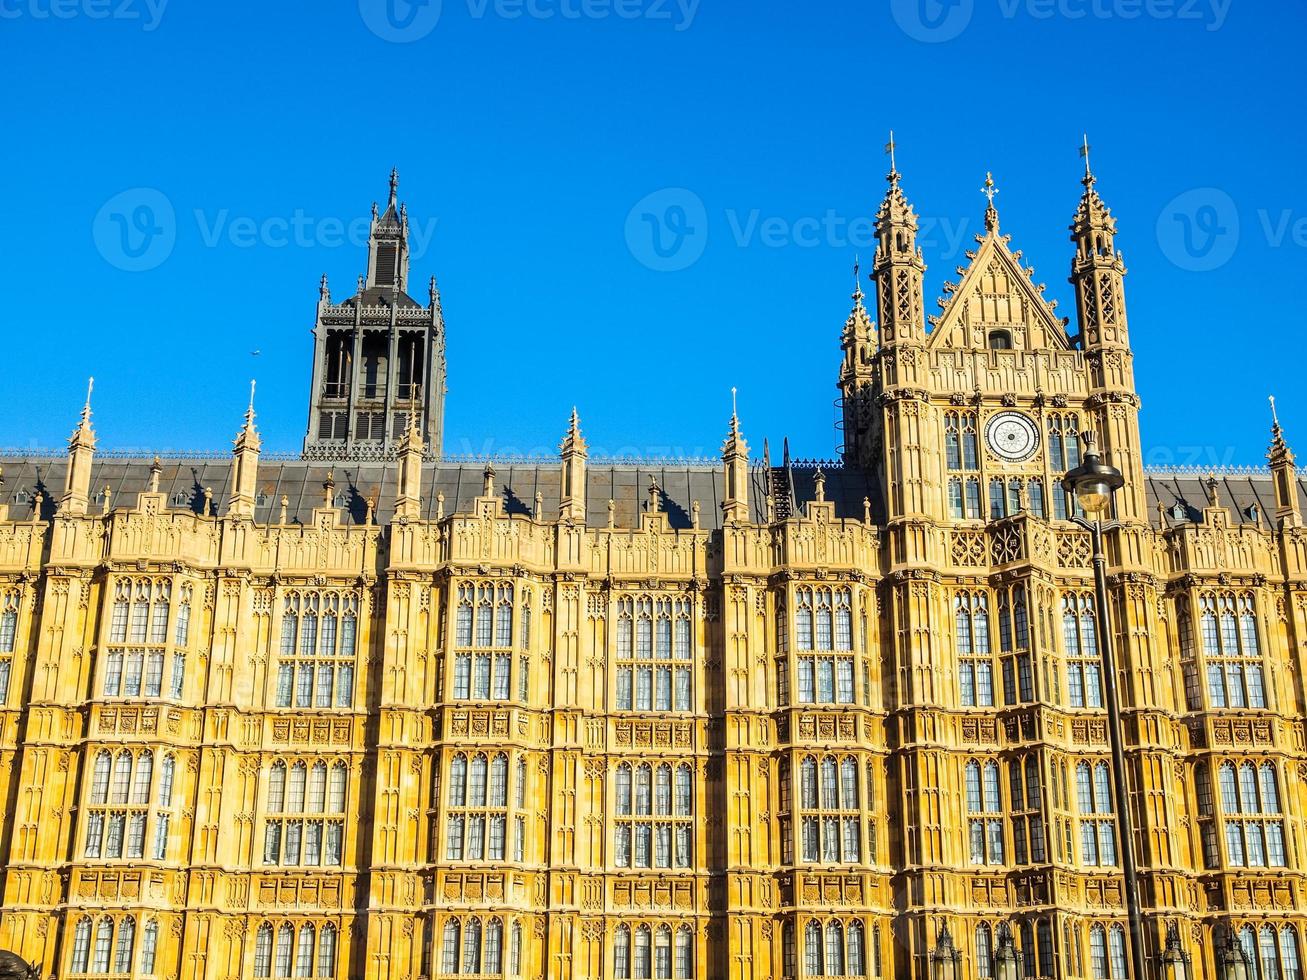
(945, 958)
(1007, 962)
(1232, 959)
(1094, 483)
(1175, 961)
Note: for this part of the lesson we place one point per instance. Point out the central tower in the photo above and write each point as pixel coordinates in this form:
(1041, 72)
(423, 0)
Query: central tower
(378, 356)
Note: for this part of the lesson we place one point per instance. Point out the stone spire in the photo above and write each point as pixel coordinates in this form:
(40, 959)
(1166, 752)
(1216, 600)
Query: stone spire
(1098, 270)
(857, 377)
(245, 466)
(571, 502)
(898, 266)
(388, 243)
(81, 453)
(1098, 277)
(408, 489)
(1284, 473)
(735, 458)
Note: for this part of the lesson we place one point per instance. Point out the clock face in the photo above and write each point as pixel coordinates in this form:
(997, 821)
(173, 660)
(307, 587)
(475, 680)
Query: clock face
(1012, 436)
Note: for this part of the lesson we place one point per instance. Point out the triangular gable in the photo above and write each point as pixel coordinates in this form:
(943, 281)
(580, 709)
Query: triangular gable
(996, 295)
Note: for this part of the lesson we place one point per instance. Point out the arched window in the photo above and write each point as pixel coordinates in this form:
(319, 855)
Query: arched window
(984, 951)
(857, 961)
(81, 946)
(149, 946)
(1098, 952)
(1079, 634)
(449, 945)
(494, 960)
(100, 781)
(1000, 340)
(103, 944)
(1289, 953)
(1097, 825)
(985, 825)
(472, 946)
(643, 953)
(663, 953)
(1235, 676)
(835, 949)
(304, 952)
(975, 662)
(1116, 951)
(1254, 827)
(327, 951)
(812, 958)
(515, 951)
(622, 953)
(263, 951)
(684, 953)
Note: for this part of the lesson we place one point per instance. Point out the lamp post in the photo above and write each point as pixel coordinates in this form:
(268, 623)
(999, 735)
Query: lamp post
(1094, 483)
(1007, 961)
(945, 958)
(1175, 961)
(1232, 959)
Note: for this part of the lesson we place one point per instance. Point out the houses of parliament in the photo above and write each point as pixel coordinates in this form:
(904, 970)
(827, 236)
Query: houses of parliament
(371, 713)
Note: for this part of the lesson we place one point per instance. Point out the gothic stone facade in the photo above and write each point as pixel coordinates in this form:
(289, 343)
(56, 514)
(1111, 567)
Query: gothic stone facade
(402, 718)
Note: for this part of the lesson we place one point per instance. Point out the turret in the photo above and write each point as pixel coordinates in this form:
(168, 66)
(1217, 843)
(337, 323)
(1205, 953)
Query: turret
(898, 267)
(81, 454)
(1098, 275)
(408, 486)
(1285, 476)
(735, 459)
(245, 466)
(571, 502)
(857, 373)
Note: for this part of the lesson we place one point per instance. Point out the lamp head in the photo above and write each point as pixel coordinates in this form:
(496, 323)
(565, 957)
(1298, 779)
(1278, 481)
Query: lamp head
(1093, 482)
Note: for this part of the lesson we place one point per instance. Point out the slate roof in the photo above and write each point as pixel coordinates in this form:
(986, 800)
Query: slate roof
(682, 482)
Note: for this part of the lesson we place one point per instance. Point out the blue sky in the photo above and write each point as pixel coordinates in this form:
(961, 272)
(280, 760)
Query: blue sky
(528, 132)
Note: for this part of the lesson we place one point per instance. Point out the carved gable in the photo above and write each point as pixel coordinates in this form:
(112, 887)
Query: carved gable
(996, 297)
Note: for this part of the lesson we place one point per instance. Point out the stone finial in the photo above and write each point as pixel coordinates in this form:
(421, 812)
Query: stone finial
(208, 501)
(655, 497)
(440, 506)
(1212, 486)
(81, 454)
(285, 502)
(612, 512)
(991, 212)
(488, 480)
(371, 509)
(866, 510)
(694, 514)
(156, 470)
(539, 512)
(819, 482)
